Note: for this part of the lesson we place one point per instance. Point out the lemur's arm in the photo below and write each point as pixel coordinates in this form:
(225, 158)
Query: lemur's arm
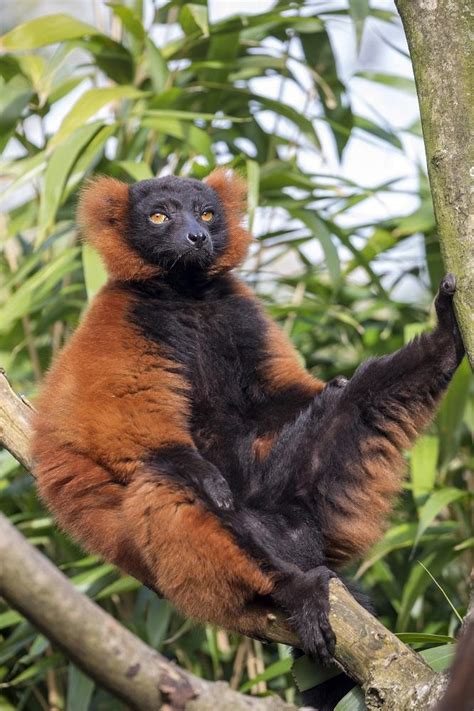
(182, 463)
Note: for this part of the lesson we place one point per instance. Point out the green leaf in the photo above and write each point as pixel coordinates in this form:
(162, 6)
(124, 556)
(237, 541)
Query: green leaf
(45, 30)
(353, 701)
(10, 618)
(468, 543)
(379, 242)
(432, 507)
(385, 134)
(423, 465)
(137, 171)
(419, 580)
(57, 172)
(411, 330)
(157, 621)
(282, 666)
(95, 273)
(14, 97)
(450, 416)
(111, 57)
(29, 295)
(253, 186)
(122, 585)
(23, 171)
(157, 67)
(323, 235)
(392, 80)
(307, 673)
(332, 92)
(440, 658)
(403, 536)
(193, 136)
(359, 10)
(36, 670)
(79, 689)
(422, 220)
(194, 18)
(89, 104)
(422, 638)
(129, 20)
(191, 115)
(85, 581)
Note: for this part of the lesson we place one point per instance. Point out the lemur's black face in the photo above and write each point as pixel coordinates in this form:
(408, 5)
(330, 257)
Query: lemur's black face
(176, 223)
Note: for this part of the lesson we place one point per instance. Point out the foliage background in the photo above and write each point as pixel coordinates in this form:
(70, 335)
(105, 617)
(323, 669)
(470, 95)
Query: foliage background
(152, 88)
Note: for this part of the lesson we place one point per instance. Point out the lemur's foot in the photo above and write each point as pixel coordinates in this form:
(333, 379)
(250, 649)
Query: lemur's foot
(448, 284)
(446, 317)
(306, 598)
(444, 299)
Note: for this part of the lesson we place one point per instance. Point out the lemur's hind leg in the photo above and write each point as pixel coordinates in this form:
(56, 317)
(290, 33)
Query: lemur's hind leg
(340, 462)
(359, 442)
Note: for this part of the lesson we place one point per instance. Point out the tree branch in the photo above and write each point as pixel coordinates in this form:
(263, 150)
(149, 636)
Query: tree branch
(438, 34)
(391, 674)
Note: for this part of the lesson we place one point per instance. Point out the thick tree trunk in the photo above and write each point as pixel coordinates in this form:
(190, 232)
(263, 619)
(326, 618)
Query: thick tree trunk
(438, 34)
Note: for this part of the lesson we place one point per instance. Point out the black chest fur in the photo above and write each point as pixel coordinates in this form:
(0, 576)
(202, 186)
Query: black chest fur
(217, 339)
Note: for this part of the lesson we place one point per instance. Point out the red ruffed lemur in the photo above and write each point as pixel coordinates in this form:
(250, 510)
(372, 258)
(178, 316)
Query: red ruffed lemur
(179, 436)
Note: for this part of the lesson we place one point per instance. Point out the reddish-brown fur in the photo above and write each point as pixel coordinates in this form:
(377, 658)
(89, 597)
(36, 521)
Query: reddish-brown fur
(232, 191)
(102, 216)
(108, 369)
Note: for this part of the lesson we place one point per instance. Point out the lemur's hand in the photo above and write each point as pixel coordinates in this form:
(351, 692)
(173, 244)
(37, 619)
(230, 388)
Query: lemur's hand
(216, 488)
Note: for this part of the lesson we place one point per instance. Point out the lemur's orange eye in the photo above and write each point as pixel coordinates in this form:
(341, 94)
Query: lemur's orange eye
(207, 216)
(158, 218)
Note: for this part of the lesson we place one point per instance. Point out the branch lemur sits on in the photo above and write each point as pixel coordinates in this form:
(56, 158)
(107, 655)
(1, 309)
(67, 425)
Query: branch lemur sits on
(179, 436)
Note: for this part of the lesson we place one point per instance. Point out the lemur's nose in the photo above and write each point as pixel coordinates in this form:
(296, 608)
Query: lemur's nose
(197, 239)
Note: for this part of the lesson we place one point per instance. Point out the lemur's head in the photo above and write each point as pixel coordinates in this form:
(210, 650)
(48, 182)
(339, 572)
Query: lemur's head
(166, 226)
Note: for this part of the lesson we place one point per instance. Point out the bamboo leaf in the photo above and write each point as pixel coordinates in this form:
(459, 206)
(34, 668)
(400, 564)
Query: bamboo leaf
(253, 184)
(282, 666)
(57, 172)
(440, 658)
(391, 80)
(45, 30)
(129, 20)
(359, 10)
(193, 17)
(95, 274)
(79, 690)
(323, 235)
(89, 104)
(434, 505)
(423, 465)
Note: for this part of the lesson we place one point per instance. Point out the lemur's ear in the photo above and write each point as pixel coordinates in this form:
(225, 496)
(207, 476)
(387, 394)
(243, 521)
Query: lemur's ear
(232, 192)
(231, 188)
(103, 216)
